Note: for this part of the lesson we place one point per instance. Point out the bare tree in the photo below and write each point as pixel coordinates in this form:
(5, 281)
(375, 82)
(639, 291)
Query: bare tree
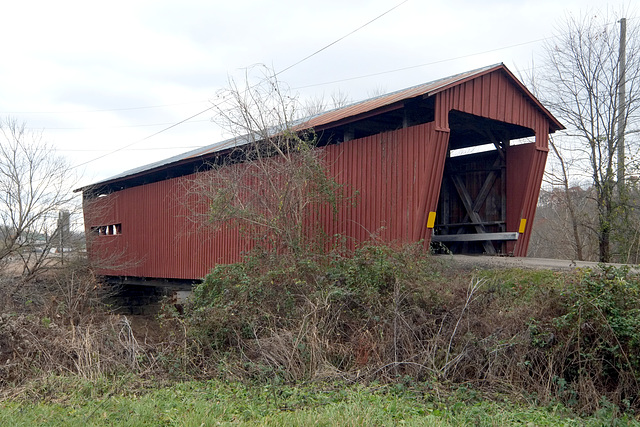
(321, 104)
(580, 84)
(564, 224)
(35, 186)
(271, 182)
(567, 202)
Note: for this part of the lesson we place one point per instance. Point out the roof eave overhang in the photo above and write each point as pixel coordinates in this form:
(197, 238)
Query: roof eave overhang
(186, 161)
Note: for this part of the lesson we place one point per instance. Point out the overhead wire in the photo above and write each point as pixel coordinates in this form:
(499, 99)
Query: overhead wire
(316, 84)
(64, 150)
(105, 110)
(215, 105)
(143, 139)
(395, 70)
(339, 39)
(117, 127)
(455, 58)
(299, 87)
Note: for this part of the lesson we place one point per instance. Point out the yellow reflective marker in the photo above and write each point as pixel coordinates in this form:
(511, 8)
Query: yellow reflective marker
(431, 221)
(523, 223)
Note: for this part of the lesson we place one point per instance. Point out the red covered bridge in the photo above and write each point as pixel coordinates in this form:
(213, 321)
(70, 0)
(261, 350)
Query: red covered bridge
(458, 161)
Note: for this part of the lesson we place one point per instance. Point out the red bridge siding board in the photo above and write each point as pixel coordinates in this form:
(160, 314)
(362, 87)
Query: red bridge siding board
(161, 242)
(385, 175)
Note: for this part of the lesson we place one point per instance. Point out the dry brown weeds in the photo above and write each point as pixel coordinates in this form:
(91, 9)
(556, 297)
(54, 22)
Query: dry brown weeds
(443, 326)
(390, 318)
(60, 325)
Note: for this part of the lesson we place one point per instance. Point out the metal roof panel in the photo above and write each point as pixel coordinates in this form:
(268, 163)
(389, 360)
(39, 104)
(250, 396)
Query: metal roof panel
(323, 120)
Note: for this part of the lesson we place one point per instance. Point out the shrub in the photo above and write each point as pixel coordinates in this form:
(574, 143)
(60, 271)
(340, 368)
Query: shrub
(377, 313)
(600, 333)
(388, 314)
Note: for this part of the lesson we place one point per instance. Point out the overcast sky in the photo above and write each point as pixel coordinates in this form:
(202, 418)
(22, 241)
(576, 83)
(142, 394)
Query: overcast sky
(96, 77)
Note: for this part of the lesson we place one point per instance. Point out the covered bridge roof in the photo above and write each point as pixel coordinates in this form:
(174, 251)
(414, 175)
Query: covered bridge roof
(338, 117)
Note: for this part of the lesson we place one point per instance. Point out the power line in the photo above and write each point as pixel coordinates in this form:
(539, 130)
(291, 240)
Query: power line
(95, 150)
(422, 65)
(116, 127)
(287, 68)
(106, 110)
(145, 138)
(340, 39)
(188, 103)
(440, 61)
(216, 105)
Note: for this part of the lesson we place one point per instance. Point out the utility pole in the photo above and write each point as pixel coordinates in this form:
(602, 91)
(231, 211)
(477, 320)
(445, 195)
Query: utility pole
(61, 236)
(621, 105)
(63, 231)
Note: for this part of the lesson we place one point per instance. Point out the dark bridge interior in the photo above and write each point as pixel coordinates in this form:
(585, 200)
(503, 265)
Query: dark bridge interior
(472, 206)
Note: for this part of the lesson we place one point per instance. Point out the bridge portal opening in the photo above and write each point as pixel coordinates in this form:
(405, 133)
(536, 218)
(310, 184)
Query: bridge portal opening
(471, 217)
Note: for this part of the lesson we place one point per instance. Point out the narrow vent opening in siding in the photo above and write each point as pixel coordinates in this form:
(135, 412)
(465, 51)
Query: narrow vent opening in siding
(107, 230)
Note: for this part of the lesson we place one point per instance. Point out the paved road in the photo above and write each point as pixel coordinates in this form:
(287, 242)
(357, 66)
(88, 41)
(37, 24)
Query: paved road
(482, 261)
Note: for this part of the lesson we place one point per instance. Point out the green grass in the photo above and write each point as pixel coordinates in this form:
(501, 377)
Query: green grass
(219, 403)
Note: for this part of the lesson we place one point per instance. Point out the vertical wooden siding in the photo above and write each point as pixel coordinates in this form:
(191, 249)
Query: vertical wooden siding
(394, 174)
(492, 96)
(158, 239)
(534, 180)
